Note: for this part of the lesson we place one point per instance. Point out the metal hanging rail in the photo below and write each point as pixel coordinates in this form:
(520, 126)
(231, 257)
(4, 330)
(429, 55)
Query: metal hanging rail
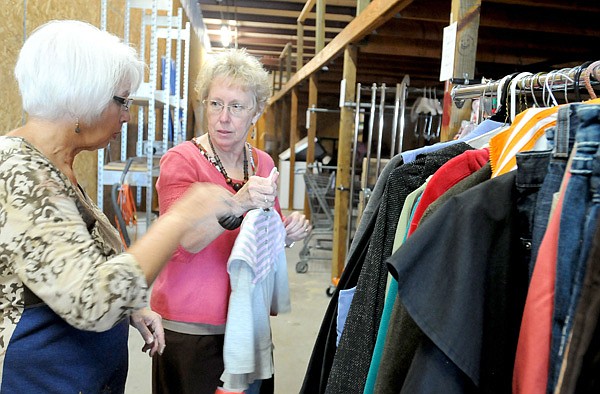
(554, 80)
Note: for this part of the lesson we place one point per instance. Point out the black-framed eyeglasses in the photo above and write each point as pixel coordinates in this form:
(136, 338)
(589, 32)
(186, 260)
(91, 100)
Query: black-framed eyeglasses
(124, 101)
(216, 107)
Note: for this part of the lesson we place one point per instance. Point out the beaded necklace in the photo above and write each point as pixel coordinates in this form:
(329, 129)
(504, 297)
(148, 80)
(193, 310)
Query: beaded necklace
(216, 161)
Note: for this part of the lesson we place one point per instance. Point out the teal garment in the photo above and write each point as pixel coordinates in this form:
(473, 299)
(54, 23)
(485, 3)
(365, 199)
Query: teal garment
(408, 210)
(381, 334)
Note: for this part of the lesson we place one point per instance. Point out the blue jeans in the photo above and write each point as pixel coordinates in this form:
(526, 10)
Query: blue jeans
(577, 218)
(561, 138)
(254, 387)
(532, 169)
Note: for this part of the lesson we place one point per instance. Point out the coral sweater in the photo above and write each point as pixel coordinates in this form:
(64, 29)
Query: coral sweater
(194, 287)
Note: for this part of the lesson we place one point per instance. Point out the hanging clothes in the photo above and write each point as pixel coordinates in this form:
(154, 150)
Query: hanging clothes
(530, 373)
(446, 176)
(444, 276)
(406, 215)
(532, 359)
(259, 289)
(581, 364)
(319, 365)
(576, 230)
(466, 266)
(359, 336)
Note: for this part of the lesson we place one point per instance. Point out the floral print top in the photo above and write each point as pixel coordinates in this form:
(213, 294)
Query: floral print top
(57, 245)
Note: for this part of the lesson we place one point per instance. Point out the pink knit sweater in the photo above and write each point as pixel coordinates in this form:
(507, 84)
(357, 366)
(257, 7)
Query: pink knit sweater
(194, 287)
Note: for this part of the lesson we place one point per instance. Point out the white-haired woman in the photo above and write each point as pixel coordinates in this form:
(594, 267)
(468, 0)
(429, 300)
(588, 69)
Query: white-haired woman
(67, 289)
(192, 294)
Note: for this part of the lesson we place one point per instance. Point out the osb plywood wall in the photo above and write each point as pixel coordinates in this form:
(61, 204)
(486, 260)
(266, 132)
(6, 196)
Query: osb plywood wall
(18, 18)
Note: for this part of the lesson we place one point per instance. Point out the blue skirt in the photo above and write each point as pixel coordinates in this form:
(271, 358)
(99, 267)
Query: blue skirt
(47, 355)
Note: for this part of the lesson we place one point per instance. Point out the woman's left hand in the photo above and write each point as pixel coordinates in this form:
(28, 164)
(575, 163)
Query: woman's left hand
(297, 227)
(149, 324)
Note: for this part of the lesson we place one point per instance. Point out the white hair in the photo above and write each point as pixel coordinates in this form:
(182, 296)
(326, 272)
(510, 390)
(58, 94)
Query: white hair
(70, 69)
(240, 68)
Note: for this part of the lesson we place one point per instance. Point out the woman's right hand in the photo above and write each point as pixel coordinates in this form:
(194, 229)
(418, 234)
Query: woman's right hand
(258, 192)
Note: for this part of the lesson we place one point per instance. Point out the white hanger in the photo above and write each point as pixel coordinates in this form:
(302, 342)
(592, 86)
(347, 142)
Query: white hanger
(564, 72)
(424, 106)
(413, 109)
(548, 88)
(536, 105)
(513, 89)
(436, 103)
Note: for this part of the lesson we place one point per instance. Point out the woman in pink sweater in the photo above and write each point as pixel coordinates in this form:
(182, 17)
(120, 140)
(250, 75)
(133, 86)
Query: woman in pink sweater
(192, 293)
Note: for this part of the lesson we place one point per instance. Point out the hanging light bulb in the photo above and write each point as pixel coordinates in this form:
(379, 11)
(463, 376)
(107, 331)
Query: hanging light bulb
(225, 35)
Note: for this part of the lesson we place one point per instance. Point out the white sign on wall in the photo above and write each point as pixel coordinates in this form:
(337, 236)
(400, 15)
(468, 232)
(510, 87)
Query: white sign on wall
(449, 44)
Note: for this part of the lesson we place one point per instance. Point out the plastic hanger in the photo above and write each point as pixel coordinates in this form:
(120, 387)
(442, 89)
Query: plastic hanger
(513, 89)
(413, 109)
(424, 106)
(535, 79)
(436, 103)
(567, 80)
(502, 114)
(548, 88)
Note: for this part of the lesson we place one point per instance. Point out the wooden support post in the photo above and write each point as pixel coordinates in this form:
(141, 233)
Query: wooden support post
(284, 124)
(300, 46)
(344, 165)
(466, 13)
(320, 25)
(313, 94)
(308, 6)
(278, 119)
(280, 73)
(293, 140)
(361, 5)
(288, 61)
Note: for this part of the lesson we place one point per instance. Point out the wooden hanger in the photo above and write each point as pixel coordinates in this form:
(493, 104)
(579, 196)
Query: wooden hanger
(586, 78)
(577, 78)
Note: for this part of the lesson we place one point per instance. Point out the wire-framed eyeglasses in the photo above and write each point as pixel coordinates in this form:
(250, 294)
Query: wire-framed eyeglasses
(124, 101)
(216, 107)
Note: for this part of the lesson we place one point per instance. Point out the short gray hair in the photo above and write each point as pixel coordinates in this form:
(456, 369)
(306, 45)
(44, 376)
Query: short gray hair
(71, 69)
(241, 68)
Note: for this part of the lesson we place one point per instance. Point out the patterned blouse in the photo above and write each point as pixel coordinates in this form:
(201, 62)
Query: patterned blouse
(59, 249)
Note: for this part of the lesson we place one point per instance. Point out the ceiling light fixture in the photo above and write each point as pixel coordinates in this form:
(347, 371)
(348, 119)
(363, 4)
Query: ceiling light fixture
(225, 35)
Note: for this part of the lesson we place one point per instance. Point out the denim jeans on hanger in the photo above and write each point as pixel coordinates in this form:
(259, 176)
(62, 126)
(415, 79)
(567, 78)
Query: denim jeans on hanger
(573, 242)
(532, 170)
(561, 139)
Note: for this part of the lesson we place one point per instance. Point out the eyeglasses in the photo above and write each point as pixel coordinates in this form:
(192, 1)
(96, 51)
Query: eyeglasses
(216, 107)
(125, 102)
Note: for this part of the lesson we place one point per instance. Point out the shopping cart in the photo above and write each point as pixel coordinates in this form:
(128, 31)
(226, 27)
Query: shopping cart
(318, 245)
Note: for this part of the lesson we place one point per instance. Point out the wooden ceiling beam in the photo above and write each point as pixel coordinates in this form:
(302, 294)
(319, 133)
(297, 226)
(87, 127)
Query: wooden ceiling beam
(266, 36)
(506, 17)
(271, 26)
(376, 14)
(552, 4)
(336, 3)
(273, 12)
(260, 52)
(308, 7)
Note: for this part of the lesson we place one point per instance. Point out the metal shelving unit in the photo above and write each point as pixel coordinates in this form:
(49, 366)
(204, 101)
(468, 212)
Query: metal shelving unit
(157, 17)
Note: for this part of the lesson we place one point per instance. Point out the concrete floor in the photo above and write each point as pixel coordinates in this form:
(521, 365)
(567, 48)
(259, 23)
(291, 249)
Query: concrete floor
(293, 333)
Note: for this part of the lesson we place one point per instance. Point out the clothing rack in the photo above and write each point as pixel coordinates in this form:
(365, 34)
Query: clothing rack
(554, 80)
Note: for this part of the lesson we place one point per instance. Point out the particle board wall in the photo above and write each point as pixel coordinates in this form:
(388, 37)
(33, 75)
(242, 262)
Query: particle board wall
(18, 18)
